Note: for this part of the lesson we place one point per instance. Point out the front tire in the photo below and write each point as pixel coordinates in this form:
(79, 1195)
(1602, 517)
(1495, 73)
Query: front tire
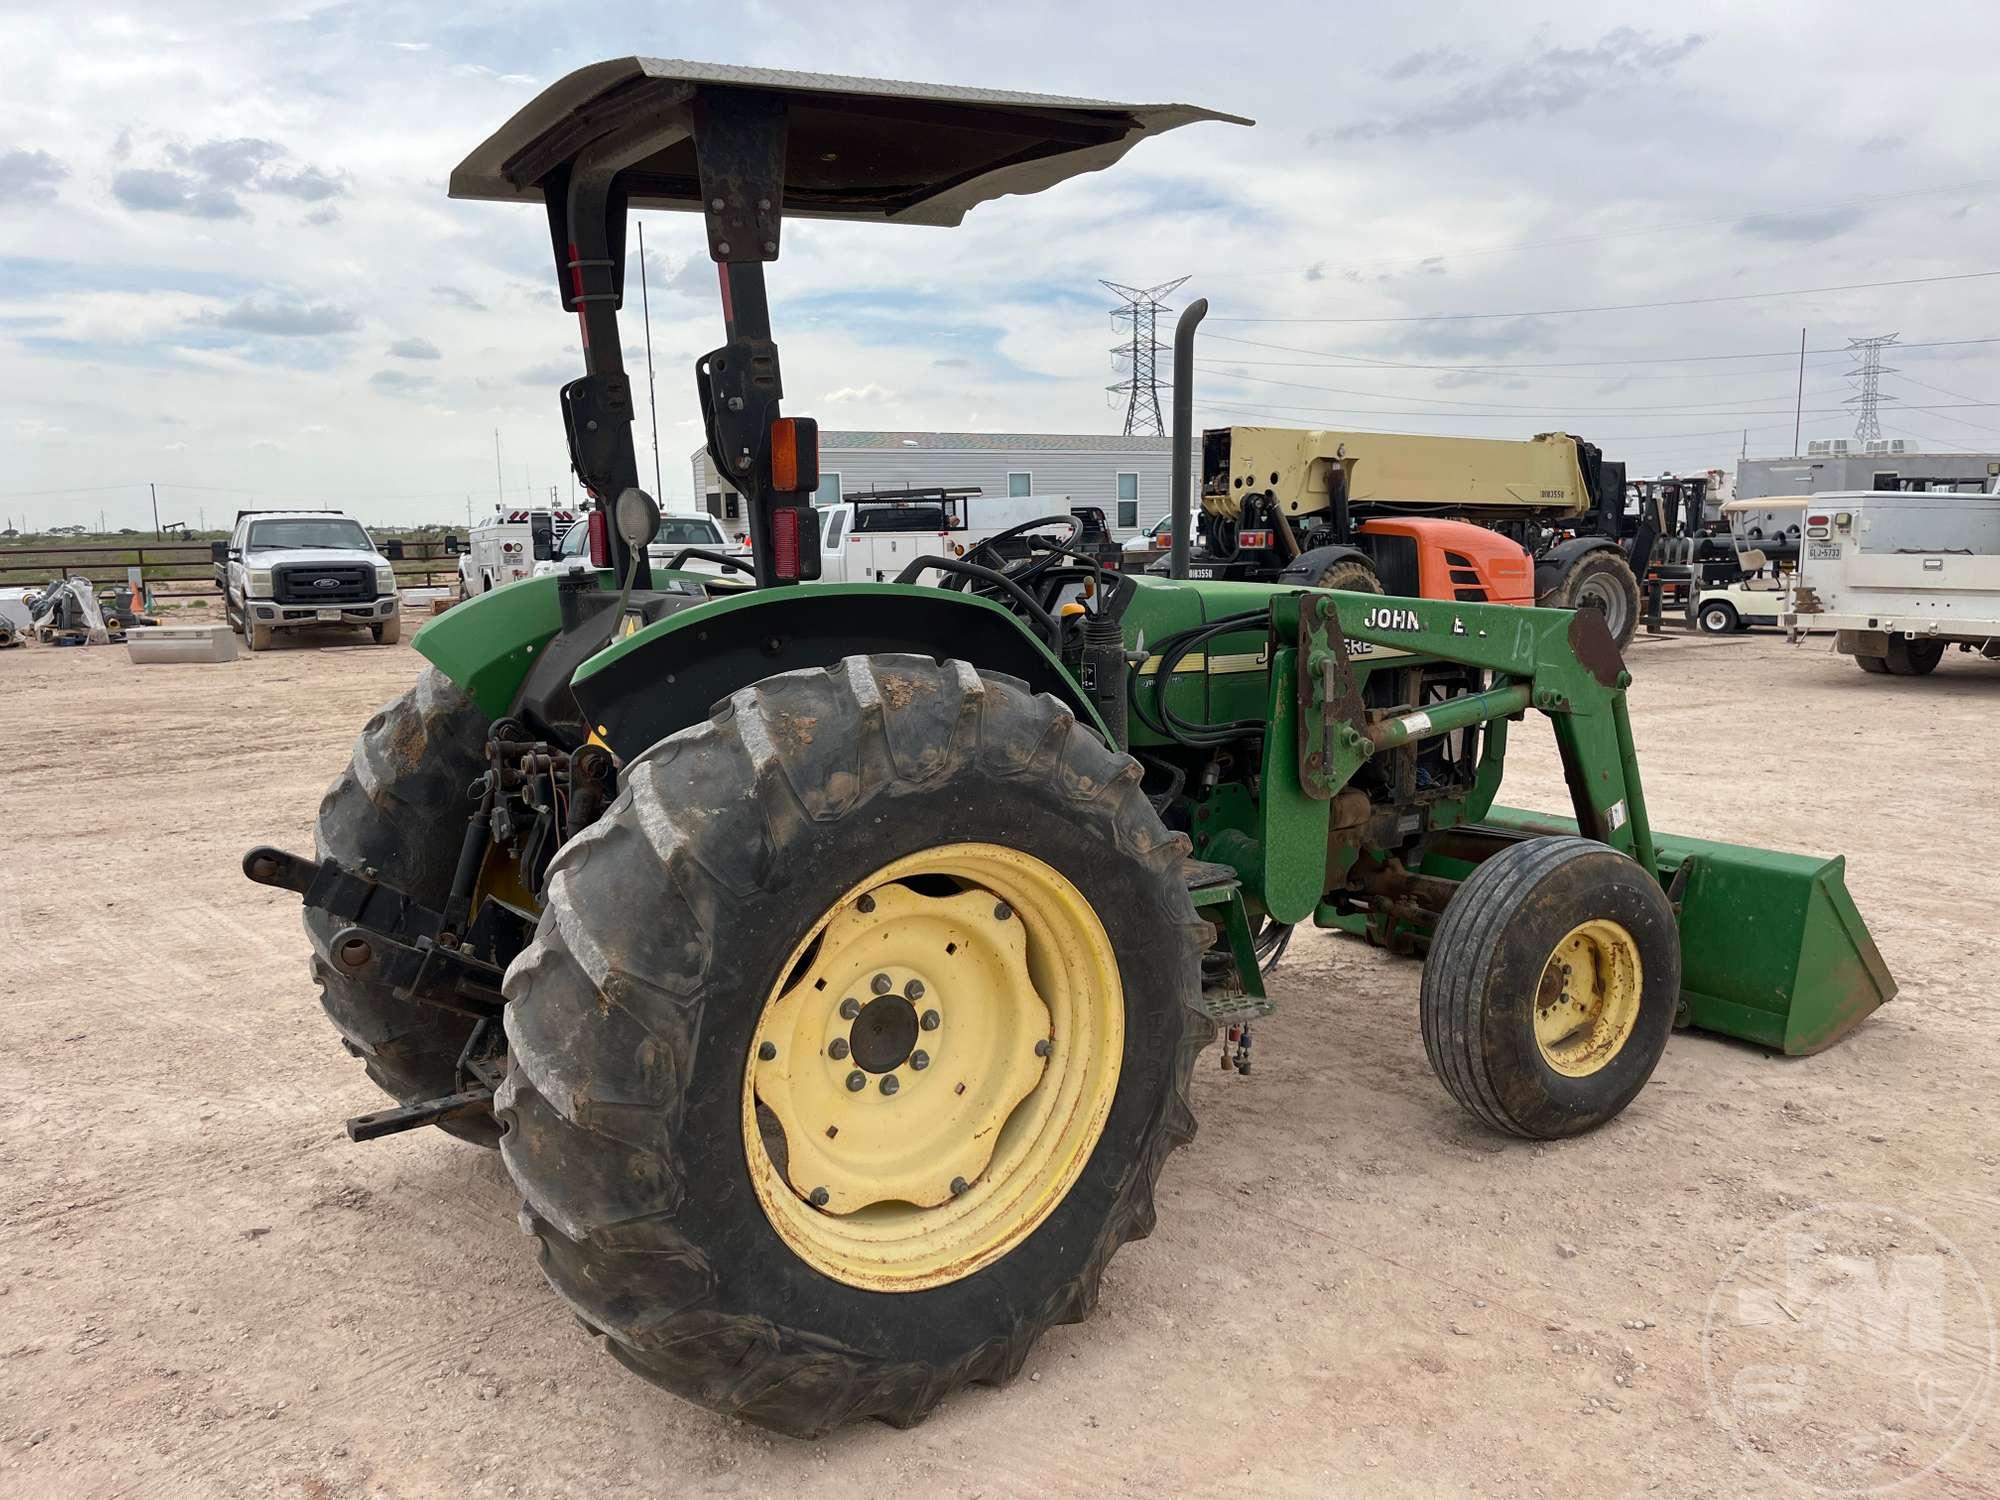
(1551, 987)
(389, 631)
(673, 1032)
(257, 637)
(1719, 618)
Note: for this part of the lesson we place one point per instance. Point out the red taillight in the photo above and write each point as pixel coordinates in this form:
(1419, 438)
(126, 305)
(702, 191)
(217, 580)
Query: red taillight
(600, 540)
(1815, 520)
(1253, 538)
(1111, 565)
(785, 542)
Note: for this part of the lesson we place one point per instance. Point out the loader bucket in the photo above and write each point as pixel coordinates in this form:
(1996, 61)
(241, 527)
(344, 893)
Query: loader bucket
(1772, 948)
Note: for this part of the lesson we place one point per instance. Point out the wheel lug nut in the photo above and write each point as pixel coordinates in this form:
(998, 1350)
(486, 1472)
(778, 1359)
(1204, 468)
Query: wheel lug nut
(1002, 912)
(929, 1020)
(958, 1186)
(1043, 1047)
(881, 984)
(914, 989)
(920, 1059)
(889, 1083)
(818, 1197)
(849, 1008)
(837, 1048)
(768, 1051)
(856, 1081)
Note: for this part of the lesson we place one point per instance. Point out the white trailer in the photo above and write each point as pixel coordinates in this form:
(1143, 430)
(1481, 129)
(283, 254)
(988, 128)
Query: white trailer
(1900, 576)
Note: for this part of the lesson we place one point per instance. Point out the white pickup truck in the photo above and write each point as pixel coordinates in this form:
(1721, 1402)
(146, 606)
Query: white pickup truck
(288, 569)
(678, 529)
(1900, 576)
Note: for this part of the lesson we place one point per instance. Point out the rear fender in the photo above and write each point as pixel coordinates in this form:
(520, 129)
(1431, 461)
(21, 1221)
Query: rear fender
(668, 676)
(486, 644)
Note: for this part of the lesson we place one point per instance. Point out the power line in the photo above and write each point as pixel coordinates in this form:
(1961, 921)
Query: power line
(1563, 312)
(1497, 405)
(1788, 355)
(1635, 411)
(1646, 440)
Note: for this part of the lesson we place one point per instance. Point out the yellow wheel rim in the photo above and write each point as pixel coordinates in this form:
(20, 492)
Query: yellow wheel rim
(1588, 1001)
(931, 1074)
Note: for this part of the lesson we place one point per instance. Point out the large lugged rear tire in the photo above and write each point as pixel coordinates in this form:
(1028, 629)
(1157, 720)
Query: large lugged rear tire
(654, 1029)
(1551, 987)
(400, 809)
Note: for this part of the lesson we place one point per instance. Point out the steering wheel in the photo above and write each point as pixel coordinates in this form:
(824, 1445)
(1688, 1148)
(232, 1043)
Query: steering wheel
(1022, 569)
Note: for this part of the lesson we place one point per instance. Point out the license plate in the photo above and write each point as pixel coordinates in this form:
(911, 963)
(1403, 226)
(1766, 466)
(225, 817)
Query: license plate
(1201, 572)
(328, 614)
(1822, 552)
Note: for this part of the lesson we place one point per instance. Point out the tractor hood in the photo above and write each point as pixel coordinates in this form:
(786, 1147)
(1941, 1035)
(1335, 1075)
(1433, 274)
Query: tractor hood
(861, 149)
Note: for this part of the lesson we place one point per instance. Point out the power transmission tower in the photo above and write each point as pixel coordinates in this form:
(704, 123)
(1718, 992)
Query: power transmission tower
(1140, 309)
(1867, 375)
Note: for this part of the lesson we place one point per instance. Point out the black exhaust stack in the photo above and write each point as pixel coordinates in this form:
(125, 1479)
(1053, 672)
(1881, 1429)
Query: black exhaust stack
(1183, 511)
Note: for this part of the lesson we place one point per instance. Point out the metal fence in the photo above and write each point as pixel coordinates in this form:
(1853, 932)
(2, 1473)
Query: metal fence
(187, 570)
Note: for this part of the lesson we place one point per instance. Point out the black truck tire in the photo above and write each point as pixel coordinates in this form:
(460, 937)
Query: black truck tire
(671, 930)
(1332, 568)
(1602, 580)
(1908, 658)
(1874, 665)
(400, 809)
(1499, 972)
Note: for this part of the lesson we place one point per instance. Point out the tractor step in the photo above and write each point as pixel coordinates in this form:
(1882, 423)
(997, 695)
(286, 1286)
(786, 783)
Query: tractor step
(1237, 994)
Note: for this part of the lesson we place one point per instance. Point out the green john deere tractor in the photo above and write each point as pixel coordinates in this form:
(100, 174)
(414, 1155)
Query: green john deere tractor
(828, 962)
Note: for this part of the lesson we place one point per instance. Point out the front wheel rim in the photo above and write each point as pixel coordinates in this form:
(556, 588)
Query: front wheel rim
(933, 1069)
(1587, 1005)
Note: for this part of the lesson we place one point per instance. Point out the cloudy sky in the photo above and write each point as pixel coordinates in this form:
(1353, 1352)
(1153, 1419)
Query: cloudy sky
(229, 267)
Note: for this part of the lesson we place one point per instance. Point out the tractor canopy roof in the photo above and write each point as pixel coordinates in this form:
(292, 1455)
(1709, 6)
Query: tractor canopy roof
(855, 148)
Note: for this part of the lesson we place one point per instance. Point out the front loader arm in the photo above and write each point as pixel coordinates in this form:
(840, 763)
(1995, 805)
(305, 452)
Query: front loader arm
(1561, 662)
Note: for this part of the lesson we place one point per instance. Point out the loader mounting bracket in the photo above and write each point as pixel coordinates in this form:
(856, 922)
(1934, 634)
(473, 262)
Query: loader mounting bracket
(1329, 701)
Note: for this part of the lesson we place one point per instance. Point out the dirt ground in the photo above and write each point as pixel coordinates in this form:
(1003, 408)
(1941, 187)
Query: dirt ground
(206, 1290)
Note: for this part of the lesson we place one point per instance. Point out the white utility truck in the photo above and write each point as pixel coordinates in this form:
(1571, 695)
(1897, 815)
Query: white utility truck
(505, 547)
(871, 538)
(1900, 576)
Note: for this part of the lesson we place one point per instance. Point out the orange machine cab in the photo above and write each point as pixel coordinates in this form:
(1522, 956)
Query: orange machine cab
(1457, 560)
